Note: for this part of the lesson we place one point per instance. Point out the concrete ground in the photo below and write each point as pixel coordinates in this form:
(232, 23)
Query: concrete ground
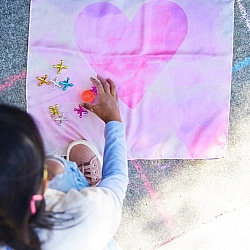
(170, 204)
(227, 232)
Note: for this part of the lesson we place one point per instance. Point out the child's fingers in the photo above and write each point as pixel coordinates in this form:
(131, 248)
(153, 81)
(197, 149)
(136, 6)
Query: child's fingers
(104, 84)
(98, 85)
(112, 88)
(88, 106)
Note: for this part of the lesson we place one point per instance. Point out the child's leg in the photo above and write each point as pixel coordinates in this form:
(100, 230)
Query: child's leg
(65, 174)
(83, 167)
(88, 160)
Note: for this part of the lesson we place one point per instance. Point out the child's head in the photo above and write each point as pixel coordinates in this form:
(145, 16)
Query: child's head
(21, 175)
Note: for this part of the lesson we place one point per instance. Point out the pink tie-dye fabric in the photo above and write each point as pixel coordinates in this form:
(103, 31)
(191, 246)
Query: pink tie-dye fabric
(171, 62)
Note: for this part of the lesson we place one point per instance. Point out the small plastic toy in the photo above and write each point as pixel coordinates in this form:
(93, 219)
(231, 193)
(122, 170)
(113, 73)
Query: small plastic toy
(42, 80)
(89, 95)
(54, 110)
(60, 66)
(61, 119)
(55, 83)
(81, 110)
(66, 84)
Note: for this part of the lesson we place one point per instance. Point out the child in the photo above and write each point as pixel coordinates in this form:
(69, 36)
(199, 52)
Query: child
(32, 217)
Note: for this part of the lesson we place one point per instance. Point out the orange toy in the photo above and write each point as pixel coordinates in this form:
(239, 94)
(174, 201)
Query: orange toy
(88, 96)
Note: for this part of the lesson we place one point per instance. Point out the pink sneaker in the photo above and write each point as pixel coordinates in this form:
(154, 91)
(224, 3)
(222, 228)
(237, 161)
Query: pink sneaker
(88, 160)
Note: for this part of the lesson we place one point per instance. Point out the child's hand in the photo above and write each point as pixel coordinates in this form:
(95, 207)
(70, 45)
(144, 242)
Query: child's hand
(107, 107)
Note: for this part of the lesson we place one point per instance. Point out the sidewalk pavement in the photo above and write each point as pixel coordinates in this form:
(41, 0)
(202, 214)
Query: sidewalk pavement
(229, 231)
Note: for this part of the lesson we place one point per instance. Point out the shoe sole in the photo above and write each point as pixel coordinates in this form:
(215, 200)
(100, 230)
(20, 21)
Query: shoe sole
(86, 143)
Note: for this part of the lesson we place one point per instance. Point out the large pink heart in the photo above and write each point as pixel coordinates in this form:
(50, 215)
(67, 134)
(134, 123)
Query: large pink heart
(133, 52)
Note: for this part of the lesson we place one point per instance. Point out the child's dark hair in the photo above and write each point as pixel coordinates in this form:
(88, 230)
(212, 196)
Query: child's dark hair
(22, 159)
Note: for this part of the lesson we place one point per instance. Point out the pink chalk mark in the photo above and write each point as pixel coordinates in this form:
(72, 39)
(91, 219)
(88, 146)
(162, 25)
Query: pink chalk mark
(164, 166)
(154, 196)
(244, 13)
(9, 81)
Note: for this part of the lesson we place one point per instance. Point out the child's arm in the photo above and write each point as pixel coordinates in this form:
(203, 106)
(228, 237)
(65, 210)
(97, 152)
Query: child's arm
(115, 167)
